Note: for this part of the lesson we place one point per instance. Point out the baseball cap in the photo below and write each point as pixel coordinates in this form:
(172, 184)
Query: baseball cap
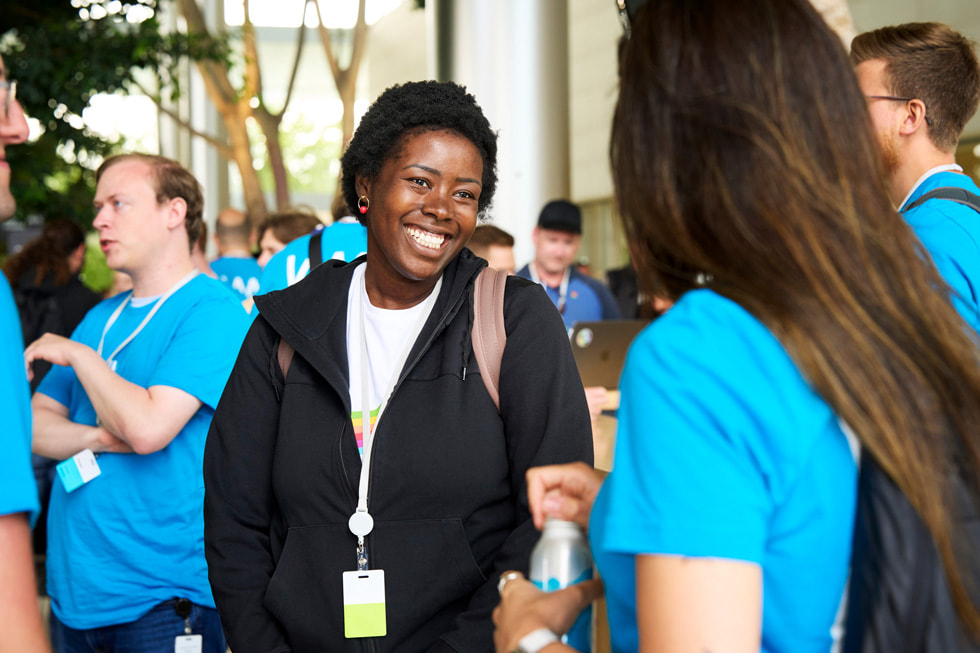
(561, 215)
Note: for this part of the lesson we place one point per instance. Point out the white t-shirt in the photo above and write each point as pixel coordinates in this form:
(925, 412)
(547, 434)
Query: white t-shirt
(390, 334)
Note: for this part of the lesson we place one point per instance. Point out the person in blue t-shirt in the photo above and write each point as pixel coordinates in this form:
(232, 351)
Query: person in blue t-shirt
(803, 322)
(344, 240)
(136, 385)
(578, 297)
(20, 620)
(235, 265)
(906, 73)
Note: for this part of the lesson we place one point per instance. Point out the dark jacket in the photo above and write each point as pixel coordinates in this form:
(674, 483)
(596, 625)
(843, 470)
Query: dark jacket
(49, 307)
(447, 488)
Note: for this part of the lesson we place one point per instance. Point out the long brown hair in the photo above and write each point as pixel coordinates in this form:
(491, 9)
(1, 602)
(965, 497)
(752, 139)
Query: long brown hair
(46, 255)
(743, 160)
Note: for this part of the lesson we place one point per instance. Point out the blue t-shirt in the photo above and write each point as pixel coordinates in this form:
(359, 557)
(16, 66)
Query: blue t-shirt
(587, 299)
(18, 491)
(723, 450)
(950, 232)
(134, 536)
(240, 273)
(341, 241)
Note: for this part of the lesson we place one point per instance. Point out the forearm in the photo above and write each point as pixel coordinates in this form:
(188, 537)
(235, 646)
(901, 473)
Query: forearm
(20, 619)
(125, 409)
(56, 436)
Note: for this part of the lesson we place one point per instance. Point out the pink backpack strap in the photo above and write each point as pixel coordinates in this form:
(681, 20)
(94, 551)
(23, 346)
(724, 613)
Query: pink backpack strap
(489, 335)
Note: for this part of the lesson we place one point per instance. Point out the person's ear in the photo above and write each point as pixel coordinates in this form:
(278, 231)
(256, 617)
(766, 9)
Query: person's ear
(363, 186)
(177, 212)
(914, 117)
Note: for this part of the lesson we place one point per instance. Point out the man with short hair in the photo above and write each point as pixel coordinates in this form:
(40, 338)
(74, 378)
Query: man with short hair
(922, 85)
(235, 265)
(495, 245)
(20, 620)
(557, 238)
(136, 385)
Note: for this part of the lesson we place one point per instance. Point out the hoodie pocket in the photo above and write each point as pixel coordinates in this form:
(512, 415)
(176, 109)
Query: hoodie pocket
(430, 575)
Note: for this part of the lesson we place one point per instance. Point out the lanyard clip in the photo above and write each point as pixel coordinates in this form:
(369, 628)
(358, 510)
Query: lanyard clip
(362, 561)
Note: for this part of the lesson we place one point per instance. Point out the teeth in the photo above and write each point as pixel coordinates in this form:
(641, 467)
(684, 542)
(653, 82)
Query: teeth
(426, 239)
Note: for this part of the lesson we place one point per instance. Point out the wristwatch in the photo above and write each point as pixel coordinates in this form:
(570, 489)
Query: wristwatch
(535, 640)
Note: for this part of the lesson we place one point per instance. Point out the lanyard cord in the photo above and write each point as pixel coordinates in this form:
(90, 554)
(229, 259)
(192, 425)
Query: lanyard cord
(361, 523)
(146, 320)
(562, 287)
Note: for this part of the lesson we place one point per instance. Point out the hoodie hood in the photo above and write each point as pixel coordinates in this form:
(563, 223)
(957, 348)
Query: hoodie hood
(305, 313)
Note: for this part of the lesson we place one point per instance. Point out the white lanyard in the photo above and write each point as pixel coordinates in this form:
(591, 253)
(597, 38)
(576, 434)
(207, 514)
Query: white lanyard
(149, 316)
(949, 167)
(562, 287)
(361, 523)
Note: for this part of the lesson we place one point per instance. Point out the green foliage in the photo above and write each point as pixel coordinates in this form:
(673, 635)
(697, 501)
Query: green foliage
(311, 149)
(95, 273)
(61, 56)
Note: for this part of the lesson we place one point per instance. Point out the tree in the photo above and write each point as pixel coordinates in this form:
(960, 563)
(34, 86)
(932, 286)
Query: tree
(237, 105)
(62, 55)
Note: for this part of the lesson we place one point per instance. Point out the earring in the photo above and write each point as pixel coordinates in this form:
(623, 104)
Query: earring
(363, 204)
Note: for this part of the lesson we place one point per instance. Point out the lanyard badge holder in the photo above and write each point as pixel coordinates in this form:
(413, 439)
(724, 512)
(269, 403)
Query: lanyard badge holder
(188, 642)
(364, 589)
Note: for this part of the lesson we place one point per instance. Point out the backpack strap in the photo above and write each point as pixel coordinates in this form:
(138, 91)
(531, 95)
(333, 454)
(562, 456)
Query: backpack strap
(960, 195)
(316, 249)
(489, 335)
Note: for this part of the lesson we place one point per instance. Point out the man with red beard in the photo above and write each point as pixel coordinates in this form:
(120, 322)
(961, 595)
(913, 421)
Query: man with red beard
(922, 85)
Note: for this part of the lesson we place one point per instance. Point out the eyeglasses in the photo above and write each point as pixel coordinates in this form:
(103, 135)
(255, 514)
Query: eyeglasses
(896, 99)
(8, 91)
(628, 9)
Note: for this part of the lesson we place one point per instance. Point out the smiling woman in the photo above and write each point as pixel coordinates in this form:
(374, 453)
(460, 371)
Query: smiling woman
(381, 493)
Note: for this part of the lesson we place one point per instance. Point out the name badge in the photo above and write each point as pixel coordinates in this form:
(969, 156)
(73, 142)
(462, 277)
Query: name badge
(78, 470)
(189, 644)
(364, 604)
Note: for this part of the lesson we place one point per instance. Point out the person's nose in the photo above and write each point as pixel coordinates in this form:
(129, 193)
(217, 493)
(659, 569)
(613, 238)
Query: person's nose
(436, 204)
(101, 218)
(13, 125)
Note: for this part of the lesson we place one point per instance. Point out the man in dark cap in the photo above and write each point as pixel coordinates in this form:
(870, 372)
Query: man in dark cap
(557, 238)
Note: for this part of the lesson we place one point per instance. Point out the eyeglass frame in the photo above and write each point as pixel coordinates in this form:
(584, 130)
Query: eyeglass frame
(898, 99)
(11, 87)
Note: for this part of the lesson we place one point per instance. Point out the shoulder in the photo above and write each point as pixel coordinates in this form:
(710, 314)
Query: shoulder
(521, 294)
(204, 298)
(594, 285)
(713, 349)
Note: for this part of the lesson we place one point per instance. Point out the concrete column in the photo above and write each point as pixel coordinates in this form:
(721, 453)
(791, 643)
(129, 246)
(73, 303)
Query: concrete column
(512, 56)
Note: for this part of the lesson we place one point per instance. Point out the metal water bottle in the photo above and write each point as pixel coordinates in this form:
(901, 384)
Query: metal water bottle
(559, 559)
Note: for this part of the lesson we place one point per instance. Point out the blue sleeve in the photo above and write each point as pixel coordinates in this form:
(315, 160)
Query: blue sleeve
(703, 457)
(18, 492)
(203, 350)
(287, 267)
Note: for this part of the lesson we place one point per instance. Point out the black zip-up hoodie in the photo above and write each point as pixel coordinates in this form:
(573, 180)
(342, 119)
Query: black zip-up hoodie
(447, 488)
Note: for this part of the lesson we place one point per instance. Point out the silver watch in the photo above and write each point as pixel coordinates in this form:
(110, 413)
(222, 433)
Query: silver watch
(535, 640)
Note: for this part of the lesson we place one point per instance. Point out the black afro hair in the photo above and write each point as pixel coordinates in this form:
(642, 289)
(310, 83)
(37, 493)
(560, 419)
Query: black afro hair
(412, 108)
